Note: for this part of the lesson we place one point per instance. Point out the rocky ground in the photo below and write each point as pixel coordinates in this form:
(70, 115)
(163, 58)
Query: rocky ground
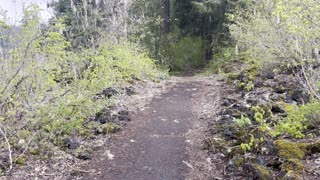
(126, 134)
(249, 150)
(185, 128)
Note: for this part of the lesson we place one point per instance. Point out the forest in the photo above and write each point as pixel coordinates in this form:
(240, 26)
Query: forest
(66, 85)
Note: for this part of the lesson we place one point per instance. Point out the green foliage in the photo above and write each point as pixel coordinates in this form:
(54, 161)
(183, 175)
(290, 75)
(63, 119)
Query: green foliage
(187, 53)
(248, 146)
(290, 150)
(248, 86)
(247, 76)
(243, 121)
(110, 128)
(21, 161)
(253, 143)
(259, 114)
(48, 91)
(222, 60)
(282, 32)
(90, 22)
(292, 165)
(298, 119)
(195, 28)
(264, 173)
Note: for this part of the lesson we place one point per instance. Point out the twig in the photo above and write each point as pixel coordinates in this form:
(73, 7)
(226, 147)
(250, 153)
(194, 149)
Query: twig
(26, 148)
(20, 67)
(17, 72)
(4, 134)
(79, 170)
(308, 83)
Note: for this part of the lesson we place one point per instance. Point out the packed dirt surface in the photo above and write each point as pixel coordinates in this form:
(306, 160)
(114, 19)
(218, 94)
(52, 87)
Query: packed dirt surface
(164, 138)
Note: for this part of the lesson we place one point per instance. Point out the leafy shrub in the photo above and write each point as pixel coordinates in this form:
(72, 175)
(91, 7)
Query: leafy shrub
(243, 121)
(49, 90)
(187, 53)
(221, 60)
(298, 119)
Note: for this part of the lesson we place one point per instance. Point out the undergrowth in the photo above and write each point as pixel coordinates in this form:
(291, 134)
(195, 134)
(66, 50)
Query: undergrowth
(48, 91)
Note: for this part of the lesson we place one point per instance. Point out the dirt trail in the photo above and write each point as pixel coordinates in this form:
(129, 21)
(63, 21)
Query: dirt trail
(163, 140)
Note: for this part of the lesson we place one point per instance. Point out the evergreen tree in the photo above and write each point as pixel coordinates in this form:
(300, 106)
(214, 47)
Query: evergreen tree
(90, 22)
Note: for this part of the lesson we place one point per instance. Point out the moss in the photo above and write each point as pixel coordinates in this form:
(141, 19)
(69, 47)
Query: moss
(34, 151)
(83, 153)
(21, 160)
(257, 171)
(290, 150)
(233, 151)
(313, 147)
(239, 161)
(84, 132)
(248, 86)
(292, 165)
(231, 77)
(240, 133)
(263, 172)
(111, 128)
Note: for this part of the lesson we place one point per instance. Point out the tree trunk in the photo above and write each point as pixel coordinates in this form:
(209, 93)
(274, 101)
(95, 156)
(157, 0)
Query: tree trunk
(166, 17)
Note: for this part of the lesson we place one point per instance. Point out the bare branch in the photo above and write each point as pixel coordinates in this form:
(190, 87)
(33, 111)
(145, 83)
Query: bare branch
(26, 148)
(3, 132)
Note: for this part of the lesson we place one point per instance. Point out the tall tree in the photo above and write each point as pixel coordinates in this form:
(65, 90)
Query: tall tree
(90, 22)
(166, 17)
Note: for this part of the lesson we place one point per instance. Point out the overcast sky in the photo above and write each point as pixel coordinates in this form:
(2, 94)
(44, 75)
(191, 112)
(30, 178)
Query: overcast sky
(14, 9)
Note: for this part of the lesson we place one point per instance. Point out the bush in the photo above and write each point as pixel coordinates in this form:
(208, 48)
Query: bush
(299, 118)
(48, 91)
(243, 121)
(222, 60)
(187, 53)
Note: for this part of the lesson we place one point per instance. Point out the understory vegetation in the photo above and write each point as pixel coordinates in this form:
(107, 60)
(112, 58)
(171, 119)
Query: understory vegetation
(270, 122)
(60, 79)
(49, 91)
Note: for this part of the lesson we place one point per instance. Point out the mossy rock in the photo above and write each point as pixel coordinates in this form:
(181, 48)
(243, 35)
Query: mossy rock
(85, 132)
(258, 171)
(232, 76)
(290, 150)
(34, 151)
(292, 175)
(292, 165)
(235, 132)
(313, 147)
(21, 160)
(259, 131)
(85, 154)
(241, 133)
(239, 160)
(233, 151)
(110, 128)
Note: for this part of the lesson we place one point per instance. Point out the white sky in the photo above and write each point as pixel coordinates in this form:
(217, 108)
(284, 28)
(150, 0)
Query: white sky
(14, 9)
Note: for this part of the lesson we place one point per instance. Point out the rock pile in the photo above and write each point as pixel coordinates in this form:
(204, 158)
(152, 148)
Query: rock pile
(243, 131)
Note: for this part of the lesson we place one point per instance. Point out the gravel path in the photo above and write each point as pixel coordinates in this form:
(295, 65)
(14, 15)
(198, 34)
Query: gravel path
(157, 143)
